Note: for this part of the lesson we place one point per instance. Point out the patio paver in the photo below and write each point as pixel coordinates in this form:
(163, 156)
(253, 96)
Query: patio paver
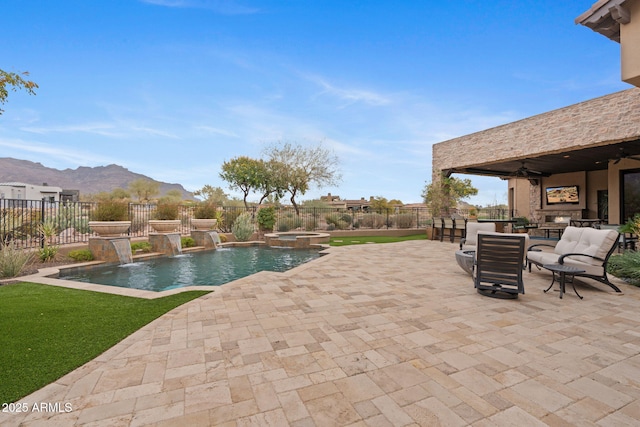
(389, 334)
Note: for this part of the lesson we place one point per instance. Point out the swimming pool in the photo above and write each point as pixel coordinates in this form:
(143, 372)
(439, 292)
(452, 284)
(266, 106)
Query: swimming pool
(206, 268)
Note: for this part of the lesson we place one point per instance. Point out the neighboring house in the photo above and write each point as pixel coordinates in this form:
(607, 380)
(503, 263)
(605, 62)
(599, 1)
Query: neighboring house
(590, 150)
(22, 191)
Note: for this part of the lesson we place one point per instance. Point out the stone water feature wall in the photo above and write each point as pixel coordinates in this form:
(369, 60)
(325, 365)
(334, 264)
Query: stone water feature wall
(111, 249)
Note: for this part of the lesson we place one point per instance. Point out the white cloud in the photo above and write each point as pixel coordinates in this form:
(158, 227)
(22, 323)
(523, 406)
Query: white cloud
(67, 156)
(225, 7)
(349, 95)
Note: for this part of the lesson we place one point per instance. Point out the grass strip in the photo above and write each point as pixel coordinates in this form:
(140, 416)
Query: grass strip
(360, 240)
(48, 331)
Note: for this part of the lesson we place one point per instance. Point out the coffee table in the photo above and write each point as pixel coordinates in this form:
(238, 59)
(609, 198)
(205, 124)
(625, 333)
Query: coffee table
(563, 270)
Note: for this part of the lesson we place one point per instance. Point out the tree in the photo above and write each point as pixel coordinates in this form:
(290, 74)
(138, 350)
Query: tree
(301, 167)
(14, 81)
(444, 193)
(175, 195)
(144, 189)
(381, 205)
(215, 195)
(243, 173)
(272, 184)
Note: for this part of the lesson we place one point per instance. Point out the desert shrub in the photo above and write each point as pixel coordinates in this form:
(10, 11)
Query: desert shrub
(111, 210)
(242, 227)
(223, 238)
(405, 220)
(227, 218)
(81, 255)
(340, 221)
(187, 242)
(69, 216)
(12, 259)
(167, 211)
(47, 231)
(310, 224)
(267, 218)
(140, 246)
(48, 253)
(372, 220)
(626, 266)
(205, 210)
(289, 223)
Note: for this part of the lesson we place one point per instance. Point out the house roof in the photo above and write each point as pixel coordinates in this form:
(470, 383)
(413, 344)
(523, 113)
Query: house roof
(580, 137)
(605, 17)
(13, 184)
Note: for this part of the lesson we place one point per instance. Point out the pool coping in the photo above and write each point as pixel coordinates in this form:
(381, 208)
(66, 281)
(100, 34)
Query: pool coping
(47, 276)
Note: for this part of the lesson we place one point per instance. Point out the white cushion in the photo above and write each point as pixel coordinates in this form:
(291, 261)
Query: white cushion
(471, 240)
(588, 241)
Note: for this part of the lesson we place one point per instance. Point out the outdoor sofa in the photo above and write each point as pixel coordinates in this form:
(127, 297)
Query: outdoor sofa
(585, 248)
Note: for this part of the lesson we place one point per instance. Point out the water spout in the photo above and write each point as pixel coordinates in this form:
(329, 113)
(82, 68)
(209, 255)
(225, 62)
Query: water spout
(215, 237)
(123, 250)
(175, 244)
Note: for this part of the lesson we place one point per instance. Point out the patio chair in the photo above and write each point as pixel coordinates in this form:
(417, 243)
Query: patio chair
(500, 261)
(468, 243)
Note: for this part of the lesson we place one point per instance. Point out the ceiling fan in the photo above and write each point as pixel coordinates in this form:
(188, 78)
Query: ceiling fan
(623, 155)
(524, 172)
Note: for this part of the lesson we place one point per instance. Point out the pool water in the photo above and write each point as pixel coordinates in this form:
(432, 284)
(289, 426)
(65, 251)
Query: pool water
(207, 268)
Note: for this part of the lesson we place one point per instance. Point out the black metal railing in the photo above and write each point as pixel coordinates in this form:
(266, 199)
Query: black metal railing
(21, 220)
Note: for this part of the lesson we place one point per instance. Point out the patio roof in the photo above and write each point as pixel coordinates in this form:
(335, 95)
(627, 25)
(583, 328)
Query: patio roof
(584, 159)
(582, 137)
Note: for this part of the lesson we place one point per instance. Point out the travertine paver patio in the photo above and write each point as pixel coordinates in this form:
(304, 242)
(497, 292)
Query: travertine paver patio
(379, 335)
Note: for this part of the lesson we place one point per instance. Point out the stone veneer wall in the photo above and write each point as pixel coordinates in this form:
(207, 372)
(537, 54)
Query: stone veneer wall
(600, 121)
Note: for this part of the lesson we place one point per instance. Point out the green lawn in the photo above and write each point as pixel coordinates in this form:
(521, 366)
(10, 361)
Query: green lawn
(359, 240)
(48, 331)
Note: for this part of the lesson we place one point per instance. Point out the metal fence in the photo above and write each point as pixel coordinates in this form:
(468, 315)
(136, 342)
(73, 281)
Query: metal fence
(20, 220)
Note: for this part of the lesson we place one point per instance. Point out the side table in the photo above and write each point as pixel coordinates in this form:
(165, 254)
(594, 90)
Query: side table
(562, 270)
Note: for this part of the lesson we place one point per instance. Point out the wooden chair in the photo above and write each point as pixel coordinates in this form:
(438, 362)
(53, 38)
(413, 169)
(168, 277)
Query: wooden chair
(500, 261)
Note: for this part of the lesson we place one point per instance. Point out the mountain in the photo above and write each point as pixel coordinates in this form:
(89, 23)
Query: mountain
(87, 180)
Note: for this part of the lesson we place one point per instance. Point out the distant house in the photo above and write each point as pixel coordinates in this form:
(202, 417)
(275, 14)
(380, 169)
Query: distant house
(23, 191)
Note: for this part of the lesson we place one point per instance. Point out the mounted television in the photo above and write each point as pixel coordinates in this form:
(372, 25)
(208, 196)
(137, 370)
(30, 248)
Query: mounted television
(562, 194)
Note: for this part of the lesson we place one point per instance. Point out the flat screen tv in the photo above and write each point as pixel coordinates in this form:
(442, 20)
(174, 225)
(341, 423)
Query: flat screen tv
(562, 194)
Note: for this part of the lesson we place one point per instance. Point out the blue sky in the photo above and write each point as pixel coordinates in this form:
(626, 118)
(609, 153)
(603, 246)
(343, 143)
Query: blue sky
(173, 88)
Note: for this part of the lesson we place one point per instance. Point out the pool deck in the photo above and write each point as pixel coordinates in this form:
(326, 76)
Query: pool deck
(370, 335)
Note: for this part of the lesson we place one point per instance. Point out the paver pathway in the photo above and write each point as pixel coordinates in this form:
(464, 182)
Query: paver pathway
(371, 335)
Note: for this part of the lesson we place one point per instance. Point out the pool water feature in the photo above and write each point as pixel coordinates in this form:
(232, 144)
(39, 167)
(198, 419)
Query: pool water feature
(205, 268)
(296, 239)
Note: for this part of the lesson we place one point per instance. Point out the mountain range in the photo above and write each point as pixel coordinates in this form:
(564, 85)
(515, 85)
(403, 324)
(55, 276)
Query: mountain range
(88, 180)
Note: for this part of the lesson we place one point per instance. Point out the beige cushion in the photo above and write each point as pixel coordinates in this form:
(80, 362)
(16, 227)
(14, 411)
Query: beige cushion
(588, 241)
(471, 241)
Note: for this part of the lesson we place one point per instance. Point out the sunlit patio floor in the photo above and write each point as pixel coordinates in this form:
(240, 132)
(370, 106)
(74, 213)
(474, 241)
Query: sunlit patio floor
(370, 335)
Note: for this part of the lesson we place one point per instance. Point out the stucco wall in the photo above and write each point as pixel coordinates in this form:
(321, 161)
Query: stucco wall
(629, 42)
(600, 121)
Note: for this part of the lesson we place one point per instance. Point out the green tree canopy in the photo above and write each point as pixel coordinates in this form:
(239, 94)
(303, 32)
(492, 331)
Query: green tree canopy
(444, 193)
(243, 173)
(14, 81)
(212, 194)
(144, 189)
(301, 167)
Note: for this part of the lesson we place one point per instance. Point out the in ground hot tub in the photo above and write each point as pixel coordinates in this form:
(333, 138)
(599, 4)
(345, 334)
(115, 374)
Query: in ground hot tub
(296, 239)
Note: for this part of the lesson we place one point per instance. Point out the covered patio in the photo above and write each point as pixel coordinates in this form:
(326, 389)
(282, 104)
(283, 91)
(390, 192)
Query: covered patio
(593, 145)
(389, 334)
